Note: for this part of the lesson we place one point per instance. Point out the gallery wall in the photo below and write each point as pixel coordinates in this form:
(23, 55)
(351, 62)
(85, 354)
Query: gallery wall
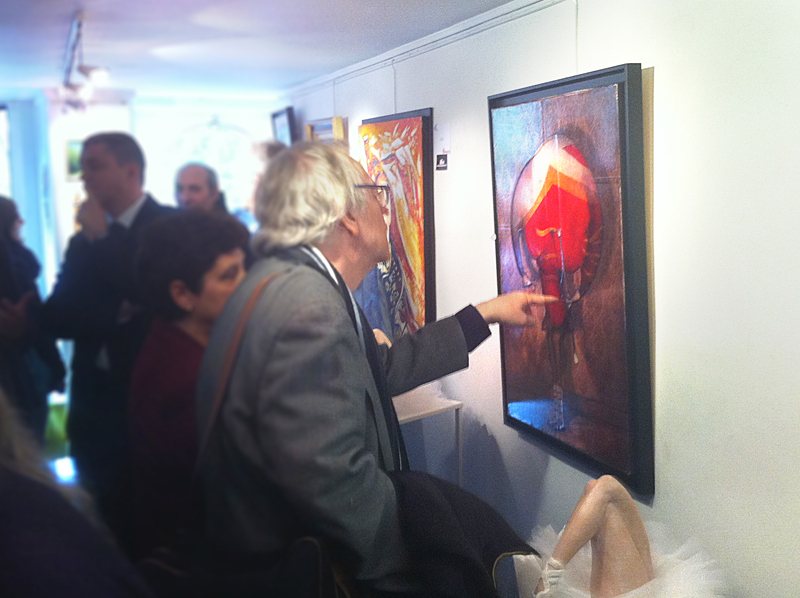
(720, 129)
(224, 132)
(31, 184)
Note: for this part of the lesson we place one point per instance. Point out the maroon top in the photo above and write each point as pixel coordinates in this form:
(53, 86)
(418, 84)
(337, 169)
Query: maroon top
(163, 435)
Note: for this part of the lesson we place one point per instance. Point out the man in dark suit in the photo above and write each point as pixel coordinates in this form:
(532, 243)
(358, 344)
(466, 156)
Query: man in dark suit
(96, 302)
(306, 435)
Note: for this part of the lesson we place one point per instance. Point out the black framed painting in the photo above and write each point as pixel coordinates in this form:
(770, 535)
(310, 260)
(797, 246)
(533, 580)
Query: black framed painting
(284, 127)
(399, 297)
(568, 176)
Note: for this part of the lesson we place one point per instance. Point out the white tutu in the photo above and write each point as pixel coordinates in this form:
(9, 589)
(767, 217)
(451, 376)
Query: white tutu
(680, 572)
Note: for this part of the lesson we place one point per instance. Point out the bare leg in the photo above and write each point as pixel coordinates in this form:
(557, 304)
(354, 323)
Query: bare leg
(607, 516)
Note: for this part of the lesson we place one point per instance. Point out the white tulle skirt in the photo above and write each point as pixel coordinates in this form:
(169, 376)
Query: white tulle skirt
(680, 571)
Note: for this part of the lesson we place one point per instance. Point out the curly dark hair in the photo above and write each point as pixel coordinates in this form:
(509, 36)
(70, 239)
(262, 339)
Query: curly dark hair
(184, 246)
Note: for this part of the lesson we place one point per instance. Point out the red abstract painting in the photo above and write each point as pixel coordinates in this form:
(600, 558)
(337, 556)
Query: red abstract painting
(562, 176)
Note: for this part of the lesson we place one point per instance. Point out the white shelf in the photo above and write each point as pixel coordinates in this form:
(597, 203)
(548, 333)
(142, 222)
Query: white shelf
(411, 407)
(416, 405)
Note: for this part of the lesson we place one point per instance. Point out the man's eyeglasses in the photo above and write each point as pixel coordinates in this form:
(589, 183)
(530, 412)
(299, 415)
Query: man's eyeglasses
(383, 193)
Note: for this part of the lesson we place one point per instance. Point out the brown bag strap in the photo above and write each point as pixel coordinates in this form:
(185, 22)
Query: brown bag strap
(230, 359)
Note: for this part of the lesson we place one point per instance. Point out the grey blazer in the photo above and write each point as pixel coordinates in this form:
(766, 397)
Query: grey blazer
(300, 445)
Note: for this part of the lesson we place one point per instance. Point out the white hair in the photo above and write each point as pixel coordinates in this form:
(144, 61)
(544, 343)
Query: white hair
(306, 190)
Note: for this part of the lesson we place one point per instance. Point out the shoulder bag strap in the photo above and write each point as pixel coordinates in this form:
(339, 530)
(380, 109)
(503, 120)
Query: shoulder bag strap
(230, 359)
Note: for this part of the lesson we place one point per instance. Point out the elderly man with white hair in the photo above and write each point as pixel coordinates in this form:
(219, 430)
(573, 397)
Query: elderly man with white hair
(305, 435)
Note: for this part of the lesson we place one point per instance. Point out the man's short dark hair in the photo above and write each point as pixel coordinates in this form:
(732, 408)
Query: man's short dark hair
(184, 246)
(122, 146)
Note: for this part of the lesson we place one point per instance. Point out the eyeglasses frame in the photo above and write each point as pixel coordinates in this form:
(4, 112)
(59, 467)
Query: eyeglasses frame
(386, 192)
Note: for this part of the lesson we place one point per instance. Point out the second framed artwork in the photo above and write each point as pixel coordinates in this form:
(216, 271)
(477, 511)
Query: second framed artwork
(284, 127)
(568, 173)
(399, 296)
(327, 130)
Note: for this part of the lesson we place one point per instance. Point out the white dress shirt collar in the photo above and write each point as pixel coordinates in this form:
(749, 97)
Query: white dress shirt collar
(315, 254)
(128, 216)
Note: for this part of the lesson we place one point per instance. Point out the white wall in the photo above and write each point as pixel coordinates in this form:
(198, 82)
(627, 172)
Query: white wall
(721, 129)
(159, 124)
(221, 131)
(31, 185)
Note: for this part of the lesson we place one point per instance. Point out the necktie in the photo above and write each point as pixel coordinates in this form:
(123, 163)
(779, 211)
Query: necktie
(395, 434)
(117, 230)
(370, 345)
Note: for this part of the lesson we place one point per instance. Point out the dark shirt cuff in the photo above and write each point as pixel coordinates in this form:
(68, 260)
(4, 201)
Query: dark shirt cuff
(474, 327)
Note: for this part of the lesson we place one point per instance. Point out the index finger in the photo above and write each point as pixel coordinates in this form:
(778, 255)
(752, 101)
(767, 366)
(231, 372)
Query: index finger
(540, 299)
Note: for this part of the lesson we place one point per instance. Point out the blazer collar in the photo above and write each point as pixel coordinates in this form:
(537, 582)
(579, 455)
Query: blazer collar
(128, 217)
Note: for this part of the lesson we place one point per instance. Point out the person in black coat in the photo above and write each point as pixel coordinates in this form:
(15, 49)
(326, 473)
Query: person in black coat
(51, 545)
(30, 365)
(97, 303)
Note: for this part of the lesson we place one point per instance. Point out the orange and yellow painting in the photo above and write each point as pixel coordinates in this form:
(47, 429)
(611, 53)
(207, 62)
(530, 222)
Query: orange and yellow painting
(393, 295)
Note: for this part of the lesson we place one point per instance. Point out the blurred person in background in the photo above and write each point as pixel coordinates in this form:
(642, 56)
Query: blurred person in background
(30, 365)
(50, 545)
(197, 188)
(97, 303)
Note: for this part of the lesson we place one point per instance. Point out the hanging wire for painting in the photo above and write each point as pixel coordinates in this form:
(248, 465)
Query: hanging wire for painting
(333, 88)
(394, 85)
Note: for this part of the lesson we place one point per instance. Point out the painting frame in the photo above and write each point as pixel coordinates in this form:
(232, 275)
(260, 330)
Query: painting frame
(424, 119)
(327, 130)
(284, 126)
(74, 148)
(610, 432)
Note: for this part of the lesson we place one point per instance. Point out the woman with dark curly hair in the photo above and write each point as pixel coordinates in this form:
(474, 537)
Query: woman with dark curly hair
(189, 264)
(30, 365)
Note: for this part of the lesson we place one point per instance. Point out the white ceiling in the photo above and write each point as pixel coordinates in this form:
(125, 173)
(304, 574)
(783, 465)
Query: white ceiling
(161, 47)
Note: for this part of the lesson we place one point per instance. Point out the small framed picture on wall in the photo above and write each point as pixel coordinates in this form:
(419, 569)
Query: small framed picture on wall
(284, 127)
(74, 149)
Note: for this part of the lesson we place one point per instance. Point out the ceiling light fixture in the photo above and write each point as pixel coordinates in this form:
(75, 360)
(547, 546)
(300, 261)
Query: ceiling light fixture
(80, 93)
(73, 41)
(98, 75)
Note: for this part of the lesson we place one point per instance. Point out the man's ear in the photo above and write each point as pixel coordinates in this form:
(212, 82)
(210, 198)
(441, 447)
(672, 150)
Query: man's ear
(181, 295)
(133, 172)
(350, 223)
